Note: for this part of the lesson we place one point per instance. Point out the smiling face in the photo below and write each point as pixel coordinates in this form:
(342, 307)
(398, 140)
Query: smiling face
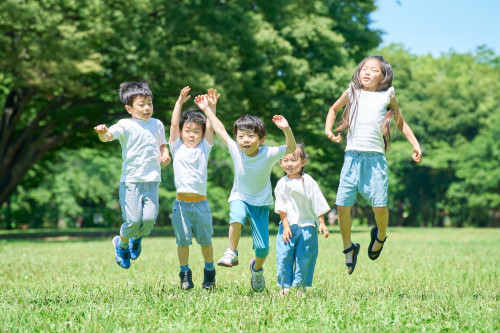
(191, 134)
(142, 108)
(249, 142)
(292, 164)
(370, 75)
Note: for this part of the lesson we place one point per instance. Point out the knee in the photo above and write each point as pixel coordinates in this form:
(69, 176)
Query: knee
(344, 210)
(261, 252)
(380, 211)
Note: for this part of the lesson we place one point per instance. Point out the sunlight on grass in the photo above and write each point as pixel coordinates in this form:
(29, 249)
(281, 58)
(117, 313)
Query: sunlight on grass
(425, 280)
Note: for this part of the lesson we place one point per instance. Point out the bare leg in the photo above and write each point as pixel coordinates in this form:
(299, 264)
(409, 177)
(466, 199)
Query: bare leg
(183, 254)
(382, 219)
(345, 225)
(259, 262)
(208, 253)
(234, 235)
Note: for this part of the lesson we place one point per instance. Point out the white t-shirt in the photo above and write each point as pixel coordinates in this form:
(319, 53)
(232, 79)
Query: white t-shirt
(141, 141)
(190, 166)
(365, 133)
(301, 199)
(252, 175)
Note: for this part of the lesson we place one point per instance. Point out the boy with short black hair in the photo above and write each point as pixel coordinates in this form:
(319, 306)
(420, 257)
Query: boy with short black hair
(144, 146)
(251, 195)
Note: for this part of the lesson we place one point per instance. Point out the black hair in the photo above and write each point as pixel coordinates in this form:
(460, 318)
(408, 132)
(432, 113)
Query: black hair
(130, 90)
(193, 117)
(300, 152)
(247, 122)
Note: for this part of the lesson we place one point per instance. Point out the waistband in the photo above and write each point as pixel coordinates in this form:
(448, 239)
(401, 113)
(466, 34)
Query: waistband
(189, 199)
(362, 153)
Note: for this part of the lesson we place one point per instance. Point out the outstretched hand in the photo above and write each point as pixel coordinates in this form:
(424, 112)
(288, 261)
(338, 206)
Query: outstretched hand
(201, 101)
(417, 154)
(334, 138)
(281, 122)
(212, 97)
(101, 129)
(183, 96)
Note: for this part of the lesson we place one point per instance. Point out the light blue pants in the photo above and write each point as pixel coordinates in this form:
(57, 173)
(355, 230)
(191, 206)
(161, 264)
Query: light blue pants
(139, 202)
(296, 259)
(192, 218)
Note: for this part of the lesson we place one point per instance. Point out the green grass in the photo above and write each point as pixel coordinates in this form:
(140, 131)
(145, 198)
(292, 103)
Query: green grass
(425, 280)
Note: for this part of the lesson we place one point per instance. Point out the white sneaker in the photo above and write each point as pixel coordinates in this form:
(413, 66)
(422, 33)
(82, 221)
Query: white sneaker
(257, 282)
(229, 259)
(284, 291)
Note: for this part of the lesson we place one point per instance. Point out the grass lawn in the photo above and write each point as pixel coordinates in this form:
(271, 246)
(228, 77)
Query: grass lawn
(425, 280)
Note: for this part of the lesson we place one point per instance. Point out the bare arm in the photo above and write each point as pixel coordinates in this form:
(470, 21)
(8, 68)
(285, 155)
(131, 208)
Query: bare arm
(176, 115)
(405, 129)
(322, 226)
(332, 115)
(102, 131)
(282, 124)
(218, 127)
(212, 98)
(287, 233)
(164, 155)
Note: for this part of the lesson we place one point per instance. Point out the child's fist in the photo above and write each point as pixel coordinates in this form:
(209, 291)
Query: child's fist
(101, 129)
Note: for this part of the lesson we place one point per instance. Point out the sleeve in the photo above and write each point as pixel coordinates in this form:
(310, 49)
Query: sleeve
(233, 147)
(206, 146)
(320, 205)
(279, 193)
(117, 130)
(274, 154)
(174, 146)
(163, 140)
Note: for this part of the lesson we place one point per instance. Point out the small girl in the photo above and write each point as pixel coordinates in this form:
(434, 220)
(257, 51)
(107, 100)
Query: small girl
(301, 206)
(370, 106)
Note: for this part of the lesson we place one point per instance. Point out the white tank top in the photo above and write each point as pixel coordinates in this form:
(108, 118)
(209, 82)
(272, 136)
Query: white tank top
(365, 133)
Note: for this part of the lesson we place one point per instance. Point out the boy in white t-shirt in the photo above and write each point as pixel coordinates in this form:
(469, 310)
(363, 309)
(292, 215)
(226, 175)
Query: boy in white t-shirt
(143, 148)
(251, 195)
(191, 137)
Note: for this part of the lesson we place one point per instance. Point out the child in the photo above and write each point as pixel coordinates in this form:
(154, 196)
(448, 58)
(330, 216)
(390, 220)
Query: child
(301, 206)
(143, 148)
(251, 194)
(370, 106)
(191, 137)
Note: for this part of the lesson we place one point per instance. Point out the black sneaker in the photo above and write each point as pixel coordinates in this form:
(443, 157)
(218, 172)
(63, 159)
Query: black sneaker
(208, 279)
(186, 280)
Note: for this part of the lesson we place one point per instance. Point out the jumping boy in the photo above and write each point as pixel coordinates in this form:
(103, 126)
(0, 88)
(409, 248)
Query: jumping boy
(143, 148)
(251, 195)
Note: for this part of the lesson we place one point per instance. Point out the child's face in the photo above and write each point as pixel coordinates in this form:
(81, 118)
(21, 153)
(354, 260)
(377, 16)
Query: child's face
(249, 142)
(142, 108)
(370, 75)
(292, 165)
(191, 134)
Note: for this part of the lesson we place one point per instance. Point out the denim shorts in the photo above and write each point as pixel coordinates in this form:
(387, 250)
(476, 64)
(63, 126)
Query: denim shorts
(191, 218)
(259, 224)
(365, 173)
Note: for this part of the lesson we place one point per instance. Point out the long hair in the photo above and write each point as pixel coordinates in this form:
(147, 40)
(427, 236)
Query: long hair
(355, 86)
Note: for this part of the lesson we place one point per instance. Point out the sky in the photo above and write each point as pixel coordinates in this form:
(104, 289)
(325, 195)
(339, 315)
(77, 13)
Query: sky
(438, 26)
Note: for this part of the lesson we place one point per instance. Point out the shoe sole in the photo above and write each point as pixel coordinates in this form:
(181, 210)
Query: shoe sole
(223, 264)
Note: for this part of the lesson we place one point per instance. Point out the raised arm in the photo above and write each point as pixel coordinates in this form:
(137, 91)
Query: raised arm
(212, 98)
(202, 102)
(176, 115)
(102, 131)
(332, 115)
(282, 124)
(405, 129)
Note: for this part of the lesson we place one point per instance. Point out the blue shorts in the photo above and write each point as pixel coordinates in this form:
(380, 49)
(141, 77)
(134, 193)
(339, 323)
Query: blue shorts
(259, 224)
(365, 173)
(192, 218)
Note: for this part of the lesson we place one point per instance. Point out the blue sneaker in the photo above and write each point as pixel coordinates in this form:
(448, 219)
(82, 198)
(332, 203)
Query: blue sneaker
(135, 248)
(122, 256)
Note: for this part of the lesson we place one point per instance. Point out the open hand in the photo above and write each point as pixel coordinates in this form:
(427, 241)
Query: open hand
(183, 96)
(201, 101)
(287, 234)
(212, 97)
(324, 230)
(101, 129)
(334, 138)
(281, 122)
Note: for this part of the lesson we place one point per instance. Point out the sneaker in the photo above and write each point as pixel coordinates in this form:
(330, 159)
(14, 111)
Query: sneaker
(208, 279)
(186, 280)
(122, 256)
(257, 282)
(135, 248)
(230, 259)
(284, 291)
